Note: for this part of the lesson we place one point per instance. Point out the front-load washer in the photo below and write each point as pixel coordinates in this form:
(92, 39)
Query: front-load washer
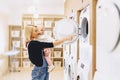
(84, 25)
(84, 63)
(71, 62)
(66, 61)
(71, 27)
(108, 40)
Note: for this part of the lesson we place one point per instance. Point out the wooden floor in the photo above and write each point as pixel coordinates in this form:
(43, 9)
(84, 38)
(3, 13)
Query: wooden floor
(56, 74)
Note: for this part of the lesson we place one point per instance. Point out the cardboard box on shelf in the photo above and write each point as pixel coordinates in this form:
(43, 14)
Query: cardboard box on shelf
(57, 54)
(26, 64)
(57, 63)
(15, 64)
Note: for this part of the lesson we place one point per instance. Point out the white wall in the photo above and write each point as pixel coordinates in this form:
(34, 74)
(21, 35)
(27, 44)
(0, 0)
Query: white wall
(18, 7)
(3, 42)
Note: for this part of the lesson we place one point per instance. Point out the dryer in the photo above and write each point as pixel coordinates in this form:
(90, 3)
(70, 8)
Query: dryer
(108, 40)
(85, 55)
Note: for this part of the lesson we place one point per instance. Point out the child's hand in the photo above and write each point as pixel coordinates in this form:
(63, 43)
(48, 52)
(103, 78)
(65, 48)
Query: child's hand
(47, 51)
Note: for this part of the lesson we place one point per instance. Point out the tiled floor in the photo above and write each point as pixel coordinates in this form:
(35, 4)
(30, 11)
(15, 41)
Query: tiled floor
(26, 75)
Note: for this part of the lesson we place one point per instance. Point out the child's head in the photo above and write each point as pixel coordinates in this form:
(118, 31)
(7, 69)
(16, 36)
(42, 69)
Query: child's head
(40, 30)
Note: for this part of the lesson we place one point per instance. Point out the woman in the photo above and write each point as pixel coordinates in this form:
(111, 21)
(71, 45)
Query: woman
(36, 52)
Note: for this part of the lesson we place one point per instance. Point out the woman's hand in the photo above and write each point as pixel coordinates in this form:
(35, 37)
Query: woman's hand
(70, 38)
(67, 38)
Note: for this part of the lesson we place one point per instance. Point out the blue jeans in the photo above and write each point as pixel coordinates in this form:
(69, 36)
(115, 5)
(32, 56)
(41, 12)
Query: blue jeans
(41, 73)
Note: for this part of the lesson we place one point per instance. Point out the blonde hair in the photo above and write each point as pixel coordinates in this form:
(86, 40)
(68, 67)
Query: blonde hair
(28, 32)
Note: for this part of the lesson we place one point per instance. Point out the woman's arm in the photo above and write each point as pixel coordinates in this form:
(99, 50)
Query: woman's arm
(43, 45)
(58, 42)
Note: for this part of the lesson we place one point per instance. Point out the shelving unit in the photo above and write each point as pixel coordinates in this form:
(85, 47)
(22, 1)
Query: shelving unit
(15, 62)
(20, 61)
(58, 57)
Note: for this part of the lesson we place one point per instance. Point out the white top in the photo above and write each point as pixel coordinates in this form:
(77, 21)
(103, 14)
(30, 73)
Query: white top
(45, 38)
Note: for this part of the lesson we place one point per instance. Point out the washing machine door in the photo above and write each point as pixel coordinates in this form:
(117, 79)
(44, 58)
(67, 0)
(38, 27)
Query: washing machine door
(84, 25)
(66, 27)
(108, 36)
(84, 29)
(108, 26)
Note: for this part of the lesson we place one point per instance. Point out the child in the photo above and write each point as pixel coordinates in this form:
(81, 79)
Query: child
(46, 38)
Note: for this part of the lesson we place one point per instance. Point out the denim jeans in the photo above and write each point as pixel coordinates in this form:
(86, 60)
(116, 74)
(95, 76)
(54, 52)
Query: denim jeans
(41, 73)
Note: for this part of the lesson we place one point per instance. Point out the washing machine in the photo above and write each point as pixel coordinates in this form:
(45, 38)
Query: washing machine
(85, 54)
(66, 61)
(84, 25)
(84, 63)
(71, 62)
(108, 40)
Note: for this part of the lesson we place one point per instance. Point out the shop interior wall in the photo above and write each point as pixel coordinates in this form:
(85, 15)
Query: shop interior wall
(74, 6)
(4, 40)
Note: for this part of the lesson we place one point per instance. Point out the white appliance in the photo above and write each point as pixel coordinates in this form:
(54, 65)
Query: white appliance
(85, 55)
(84, 63)
(71, 62)
(108, 40)
(66, 61)
(63, 28)
(70, 70)
(85, 26)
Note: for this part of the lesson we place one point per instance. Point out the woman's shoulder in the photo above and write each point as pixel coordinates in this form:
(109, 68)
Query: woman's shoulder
(34, 41)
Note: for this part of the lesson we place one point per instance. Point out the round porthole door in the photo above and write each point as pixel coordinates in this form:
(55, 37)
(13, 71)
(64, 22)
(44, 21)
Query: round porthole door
(66, 27)
(84, 29)
(108, 26)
